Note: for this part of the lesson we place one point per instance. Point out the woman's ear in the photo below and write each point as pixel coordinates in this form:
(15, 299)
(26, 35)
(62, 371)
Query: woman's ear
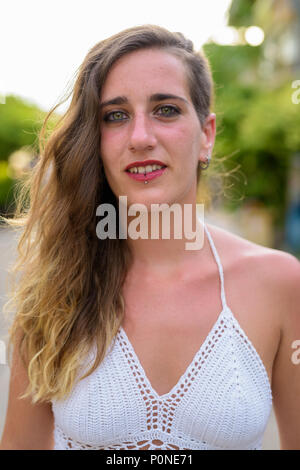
(208, 137)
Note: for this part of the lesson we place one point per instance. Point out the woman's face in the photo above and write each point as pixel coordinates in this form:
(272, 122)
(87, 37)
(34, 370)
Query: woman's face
(143, 123)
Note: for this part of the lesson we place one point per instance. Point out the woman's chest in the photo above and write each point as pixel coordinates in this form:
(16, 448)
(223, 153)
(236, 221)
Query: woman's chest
(179, 369)
(167, 327)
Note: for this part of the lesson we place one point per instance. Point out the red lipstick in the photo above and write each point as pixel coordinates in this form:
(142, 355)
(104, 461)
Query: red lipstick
(145, 163)
(146, 176)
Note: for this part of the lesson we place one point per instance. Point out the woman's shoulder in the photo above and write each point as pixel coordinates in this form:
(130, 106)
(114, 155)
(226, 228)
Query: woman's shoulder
(274, 267)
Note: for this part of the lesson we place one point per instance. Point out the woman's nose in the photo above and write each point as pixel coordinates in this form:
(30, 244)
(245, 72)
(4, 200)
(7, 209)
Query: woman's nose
(141, 135)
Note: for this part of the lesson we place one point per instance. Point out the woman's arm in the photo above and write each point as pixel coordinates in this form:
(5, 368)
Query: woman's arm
(286, 367)
(27, 426)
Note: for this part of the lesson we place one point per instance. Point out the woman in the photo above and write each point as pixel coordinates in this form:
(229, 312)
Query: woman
(122, 339)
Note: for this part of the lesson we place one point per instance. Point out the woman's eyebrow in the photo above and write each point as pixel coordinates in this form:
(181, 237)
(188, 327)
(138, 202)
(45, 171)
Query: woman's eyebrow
(166, 96)
(117, 100)
(156, 97)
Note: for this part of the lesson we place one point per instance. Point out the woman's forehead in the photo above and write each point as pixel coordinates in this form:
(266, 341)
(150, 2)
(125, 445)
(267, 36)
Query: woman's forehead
(152, 70)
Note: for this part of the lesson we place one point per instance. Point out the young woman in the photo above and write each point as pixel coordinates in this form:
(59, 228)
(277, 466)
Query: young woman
(131, 343)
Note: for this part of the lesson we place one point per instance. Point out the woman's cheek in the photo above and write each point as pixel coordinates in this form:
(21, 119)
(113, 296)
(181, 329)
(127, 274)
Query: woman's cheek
(108, 148)
(179, 135)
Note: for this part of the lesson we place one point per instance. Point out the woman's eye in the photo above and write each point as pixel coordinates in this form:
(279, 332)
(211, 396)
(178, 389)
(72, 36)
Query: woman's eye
(114, 116)
(119, 116)
(168, 111)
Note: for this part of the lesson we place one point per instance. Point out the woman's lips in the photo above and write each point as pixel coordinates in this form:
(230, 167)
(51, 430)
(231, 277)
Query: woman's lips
(146, 176)
(144, 163)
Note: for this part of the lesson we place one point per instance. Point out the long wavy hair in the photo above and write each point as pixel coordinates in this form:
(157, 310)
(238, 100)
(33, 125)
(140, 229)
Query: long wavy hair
(69, 293)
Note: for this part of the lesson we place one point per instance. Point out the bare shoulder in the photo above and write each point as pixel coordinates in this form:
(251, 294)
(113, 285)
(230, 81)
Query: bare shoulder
(280, 268)
(271, 276)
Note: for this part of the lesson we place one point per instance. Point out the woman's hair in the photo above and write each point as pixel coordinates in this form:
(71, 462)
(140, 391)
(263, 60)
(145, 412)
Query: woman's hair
(69, 294)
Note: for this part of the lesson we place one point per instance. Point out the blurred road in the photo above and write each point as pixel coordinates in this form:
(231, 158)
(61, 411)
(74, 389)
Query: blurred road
(8, 254)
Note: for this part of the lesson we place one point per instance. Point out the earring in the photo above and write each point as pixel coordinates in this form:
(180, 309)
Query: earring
(205, 165)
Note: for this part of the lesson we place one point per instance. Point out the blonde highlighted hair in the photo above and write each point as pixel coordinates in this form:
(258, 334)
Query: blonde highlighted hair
(69, 294)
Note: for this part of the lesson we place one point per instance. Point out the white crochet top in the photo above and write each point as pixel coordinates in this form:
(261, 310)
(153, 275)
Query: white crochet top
(222, 401)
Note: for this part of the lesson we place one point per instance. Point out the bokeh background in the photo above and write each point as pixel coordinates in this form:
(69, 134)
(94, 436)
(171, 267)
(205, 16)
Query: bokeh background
(253, 186)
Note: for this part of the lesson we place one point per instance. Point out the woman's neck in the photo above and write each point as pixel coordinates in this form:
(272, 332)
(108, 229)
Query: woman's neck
(171, 240)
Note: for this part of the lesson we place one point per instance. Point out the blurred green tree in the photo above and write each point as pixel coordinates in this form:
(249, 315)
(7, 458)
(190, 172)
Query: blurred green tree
(258, 125)
(19, 123)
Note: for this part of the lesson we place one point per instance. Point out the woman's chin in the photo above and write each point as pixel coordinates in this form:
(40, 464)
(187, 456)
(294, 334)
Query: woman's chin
(151, 202)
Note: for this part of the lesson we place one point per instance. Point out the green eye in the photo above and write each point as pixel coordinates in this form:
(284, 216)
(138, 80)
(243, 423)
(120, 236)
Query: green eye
(118, 116)
(168, 110)
(114, 116)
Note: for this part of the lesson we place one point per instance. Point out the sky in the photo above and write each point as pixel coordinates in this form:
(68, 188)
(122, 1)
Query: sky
(43, 43)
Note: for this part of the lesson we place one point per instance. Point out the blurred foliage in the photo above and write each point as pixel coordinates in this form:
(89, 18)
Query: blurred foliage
(273, 16)
(241, 13)
(20, 123)
(6, 187)
(257, 127)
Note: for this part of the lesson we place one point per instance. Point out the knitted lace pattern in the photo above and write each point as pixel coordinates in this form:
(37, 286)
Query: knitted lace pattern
(223, 399)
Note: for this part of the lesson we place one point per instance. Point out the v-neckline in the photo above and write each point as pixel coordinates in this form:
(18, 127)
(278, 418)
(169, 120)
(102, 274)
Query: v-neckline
(175, 388)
